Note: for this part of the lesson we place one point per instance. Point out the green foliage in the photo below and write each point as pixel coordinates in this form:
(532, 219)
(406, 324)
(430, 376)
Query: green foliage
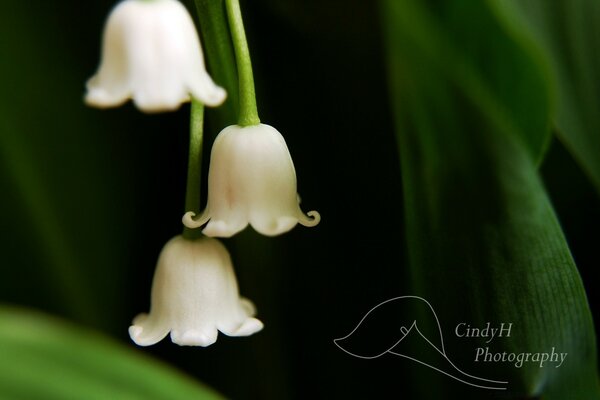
(568, 31)
(45, 358)
(479, 222)
(220, 57)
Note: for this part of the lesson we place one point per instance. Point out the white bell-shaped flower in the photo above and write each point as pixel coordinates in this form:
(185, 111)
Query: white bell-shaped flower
(251, 180)
(194, 294)
(151, 53)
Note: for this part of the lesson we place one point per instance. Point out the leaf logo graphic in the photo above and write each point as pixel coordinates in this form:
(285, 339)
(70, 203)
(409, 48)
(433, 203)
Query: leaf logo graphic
(395, 332)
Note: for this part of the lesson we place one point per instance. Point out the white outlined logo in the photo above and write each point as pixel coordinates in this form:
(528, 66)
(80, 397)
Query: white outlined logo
(454, 373)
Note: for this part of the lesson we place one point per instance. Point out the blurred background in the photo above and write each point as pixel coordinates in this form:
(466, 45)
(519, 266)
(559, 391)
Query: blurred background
(89, 198)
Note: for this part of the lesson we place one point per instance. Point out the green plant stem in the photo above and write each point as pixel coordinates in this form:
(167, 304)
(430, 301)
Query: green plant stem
(248, 112)
(194, 176)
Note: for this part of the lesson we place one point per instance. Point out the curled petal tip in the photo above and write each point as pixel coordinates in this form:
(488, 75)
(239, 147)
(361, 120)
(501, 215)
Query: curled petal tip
(220, 229)
(312, 218)
(215, 98)
(99, 98)
(135, 331)
(146, 337)
(249, 327)
(194, 338)
(155, 107)
(189, 221)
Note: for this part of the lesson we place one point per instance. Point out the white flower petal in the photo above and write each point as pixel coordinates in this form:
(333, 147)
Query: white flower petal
(145, 332)
(251, 180)
(270, 225)
(151, 53)
(247, 328)
(194, 294)
(204, 89)
(224, 229)
(194, 337)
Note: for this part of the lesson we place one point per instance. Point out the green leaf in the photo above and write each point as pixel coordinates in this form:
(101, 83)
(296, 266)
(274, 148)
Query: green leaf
(44, 358)
(220, 58)
(569, 31)
(480, 227)
(500, 68)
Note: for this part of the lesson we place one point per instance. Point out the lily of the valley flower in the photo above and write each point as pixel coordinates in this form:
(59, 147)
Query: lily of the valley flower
(251, 180)
(151, 53)
(194, 294)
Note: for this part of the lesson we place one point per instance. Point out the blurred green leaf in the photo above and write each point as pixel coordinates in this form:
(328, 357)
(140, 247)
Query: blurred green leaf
(45, 358)
(480, 227)
(220, 57)
(569, 31)
(501, 69)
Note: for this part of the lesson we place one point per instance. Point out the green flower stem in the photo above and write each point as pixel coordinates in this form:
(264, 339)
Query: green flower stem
(194, 177)
(248, 112)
